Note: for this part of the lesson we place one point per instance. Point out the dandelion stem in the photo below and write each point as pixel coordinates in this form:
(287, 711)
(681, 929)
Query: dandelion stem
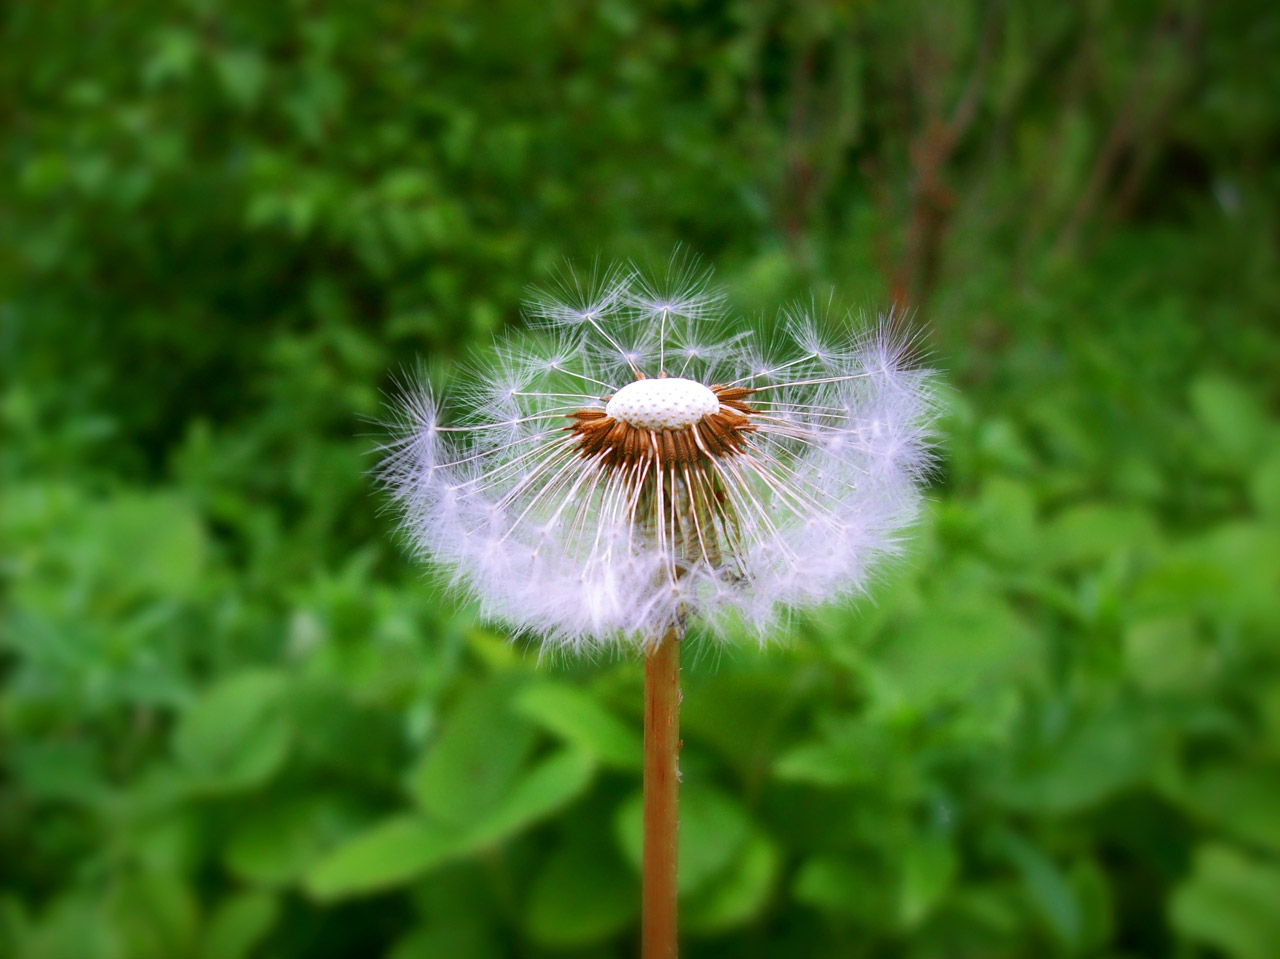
(661, 787)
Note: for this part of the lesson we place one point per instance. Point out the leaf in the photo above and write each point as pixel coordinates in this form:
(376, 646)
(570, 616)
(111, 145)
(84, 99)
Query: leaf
(1094, 760)
(75, 925)
(243, 75)
(279, 842)
(1092, 532)
(849, 753)
(1230, 574)
(1089, 881)
(1229, 902)
(437, 940)
(1047, 887)
(1005, 511)
(389, 853)
(166, 840)
(1248, 553)
(473, 765)
(1164, 654)
(236, 735)
(929, 866)
(583, 894)
(740, 713)
(493, 649)
(332, 730)
(238, 925)
(156, 915)
(738, 895)
(463, 913)
(146, 545)
(964, 648)
(550, 785)
(580, 719)
(67, 771)
(1268, 700)
(1242, 801)
(1264, 487)
(844, 887)
(1003, 444)
(175, 54)
(713, 826)
(404, 847)
(1233, 419)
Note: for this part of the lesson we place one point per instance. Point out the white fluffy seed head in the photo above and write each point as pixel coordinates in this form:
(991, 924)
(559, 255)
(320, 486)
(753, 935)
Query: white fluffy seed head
(778, 490)
(665, 403)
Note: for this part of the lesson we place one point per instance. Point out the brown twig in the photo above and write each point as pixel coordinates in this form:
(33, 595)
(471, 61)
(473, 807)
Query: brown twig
(1155, 138)
(796, 197)
(930, 151)
(1126, 128)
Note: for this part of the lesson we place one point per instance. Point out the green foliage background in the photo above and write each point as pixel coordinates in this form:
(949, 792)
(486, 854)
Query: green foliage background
(235, 721)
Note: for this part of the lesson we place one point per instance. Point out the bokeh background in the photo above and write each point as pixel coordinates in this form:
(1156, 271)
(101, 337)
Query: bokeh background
(236, 721)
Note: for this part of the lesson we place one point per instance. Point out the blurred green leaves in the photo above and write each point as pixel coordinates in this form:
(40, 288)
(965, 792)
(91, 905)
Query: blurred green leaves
(580, 719)
(1229, 903)
(472, 766)
(239, 926)
(236, 735)
(236, 721)
(582, 894)
(476, 788)
(405, 846)
(387, 854)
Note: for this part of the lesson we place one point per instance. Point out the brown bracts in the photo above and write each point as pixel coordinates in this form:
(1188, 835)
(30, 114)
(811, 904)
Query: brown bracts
(717, 434)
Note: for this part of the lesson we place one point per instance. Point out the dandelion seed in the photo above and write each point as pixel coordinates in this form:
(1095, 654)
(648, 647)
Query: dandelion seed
(643, 464)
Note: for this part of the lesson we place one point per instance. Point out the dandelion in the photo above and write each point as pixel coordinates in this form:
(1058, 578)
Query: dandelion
(633, 462)
(636, 466)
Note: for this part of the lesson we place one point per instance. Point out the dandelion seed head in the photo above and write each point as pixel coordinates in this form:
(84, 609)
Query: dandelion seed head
(632, 464)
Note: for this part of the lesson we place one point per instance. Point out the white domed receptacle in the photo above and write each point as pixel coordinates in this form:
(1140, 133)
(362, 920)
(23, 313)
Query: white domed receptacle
(665, 403)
